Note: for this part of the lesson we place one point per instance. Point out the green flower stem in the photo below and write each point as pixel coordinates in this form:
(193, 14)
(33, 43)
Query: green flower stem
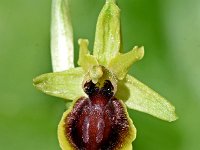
(62, 49)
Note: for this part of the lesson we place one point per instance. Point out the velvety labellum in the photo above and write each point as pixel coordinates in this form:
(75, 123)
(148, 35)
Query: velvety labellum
(98, 122)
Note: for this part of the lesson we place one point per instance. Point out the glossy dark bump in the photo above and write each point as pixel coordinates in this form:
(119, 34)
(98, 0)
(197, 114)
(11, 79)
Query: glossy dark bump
(98, 122)
(107, 89)
(90, 88)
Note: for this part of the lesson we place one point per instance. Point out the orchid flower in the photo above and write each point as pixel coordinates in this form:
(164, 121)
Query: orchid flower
(100, 89)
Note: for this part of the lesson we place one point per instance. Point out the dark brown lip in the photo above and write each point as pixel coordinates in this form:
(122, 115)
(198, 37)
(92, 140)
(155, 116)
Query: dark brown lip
(98, 122)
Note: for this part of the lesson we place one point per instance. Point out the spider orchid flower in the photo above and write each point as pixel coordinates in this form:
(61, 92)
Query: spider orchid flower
(101, 90)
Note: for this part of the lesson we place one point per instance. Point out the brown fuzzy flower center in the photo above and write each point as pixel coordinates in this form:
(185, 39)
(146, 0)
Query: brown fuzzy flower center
(98, 122)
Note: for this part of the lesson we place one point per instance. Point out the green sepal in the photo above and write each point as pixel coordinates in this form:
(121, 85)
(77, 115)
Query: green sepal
(122, 62)
(66, 84)
(140, 97)
(107, 39)
(62, 47)
(86, 61)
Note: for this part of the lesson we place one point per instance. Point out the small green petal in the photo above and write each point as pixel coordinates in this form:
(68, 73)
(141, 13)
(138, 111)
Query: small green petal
(122, 62)
(86, 61)
(66, 84)
(107, 39)
(140, 97)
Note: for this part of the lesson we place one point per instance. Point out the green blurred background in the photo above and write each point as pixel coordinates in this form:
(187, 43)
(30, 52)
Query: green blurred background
(170, 32)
